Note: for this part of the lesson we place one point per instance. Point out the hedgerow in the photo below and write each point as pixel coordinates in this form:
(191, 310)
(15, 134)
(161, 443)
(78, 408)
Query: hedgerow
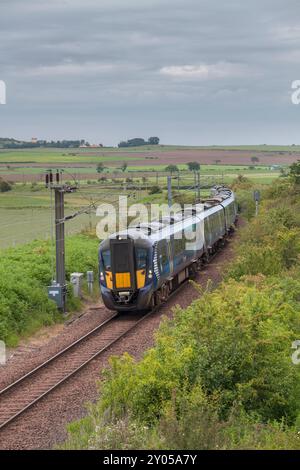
(25, 273)
(220, 375)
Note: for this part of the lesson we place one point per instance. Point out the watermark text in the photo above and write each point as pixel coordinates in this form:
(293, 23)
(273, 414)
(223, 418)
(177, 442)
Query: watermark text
(2, 353)
(2, 92)
(296, 353)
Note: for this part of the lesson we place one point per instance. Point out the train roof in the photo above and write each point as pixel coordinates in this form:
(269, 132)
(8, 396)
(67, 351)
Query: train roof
(162, 228)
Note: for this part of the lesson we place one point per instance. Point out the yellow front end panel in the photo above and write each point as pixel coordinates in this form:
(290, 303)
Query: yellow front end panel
(140, 278)
(108, 278)
(123, 280)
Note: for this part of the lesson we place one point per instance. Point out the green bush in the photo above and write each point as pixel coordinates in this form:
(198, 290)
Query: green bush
(155, 190)
(4, 186)
(25, 273)
(229, 350)
(220, 375)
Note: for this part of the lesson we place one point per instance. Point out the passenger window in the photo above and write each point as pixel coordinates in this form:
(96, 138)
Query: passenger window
(163, 256)
(178, 246)
(141, 258)
(106, 258)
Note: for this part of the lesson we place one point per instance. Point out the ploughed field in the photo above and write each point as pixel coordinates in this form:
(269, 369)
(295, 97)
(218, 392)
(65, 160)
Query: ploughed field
(25, 210)
(27, 165)
(161, 155)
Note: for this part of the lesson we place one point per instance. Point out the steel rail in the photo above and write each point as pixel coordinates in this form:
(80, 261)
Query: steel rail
(18, 382)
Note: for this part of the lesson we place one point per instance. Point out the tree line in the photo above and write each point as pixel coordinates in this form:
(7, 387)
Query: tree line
(138, 142)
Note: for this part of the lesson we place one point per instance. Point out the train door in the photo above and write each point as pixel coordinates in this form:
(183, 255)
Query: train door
(169, 246)
(106, 261)
(123, 265)
(207, 232)
(141, 266)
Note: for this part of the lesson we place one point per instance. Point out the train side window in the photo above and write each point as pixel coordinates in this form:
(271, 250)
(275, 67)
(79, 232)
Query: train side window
(106, 258)
(163, 256)
(213, 219)
(219, 219)
(141, 258)
(206, 230)
(179, 245)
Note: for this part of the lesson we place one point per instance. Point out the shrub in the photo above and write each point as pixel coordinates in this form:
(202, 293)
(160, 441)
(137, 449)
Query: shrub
(220, 375)
(5, 186)
(241, 182)
(25, 273)
(155, 190)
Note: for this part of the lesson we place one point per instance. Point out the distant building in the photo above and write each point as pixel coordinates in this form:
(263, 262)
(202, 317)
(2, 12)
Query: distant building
(275, 167)
(34, 140)
(87, 145)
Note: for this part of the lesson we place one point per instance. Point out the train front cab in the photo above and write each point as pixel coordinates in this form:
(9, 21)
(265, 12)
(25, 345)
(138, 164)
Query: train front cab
(125, 273)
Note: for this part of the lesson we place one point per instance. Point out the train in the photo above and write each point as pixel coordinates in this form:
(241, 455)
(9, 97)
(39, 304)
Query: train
(140, 267)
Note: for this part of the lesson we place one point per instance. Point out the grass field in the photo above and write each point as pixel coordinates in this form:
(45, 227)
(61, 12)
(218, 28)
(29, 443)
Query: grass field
(25, 211)
(26, 215)
(58, 156)
(92, 155)
(73, 170)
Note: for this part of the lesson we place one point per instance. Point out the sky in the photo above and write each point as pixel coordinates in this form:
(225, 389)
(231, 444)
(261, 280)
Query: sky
(193, 72)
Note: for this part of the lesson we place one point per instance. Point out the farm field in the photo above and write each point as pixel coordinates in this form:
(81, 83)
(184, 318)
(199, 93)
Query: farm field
(29, 165)
(26, 215)
(25, 211)
(170, 154)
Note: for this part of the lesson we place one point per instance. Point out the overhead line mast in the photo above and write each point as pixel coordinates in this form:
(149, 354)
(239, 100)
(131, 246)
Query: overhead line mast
(58, 290)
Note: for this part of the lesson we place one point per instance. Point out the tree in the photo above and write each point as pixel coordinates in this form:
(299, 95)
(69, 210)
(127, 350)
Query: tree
(100, 167)
(155, 190)
(124, 167)
(136, 142)
(172, 168)
(4, 186)
(153, 140)
(123, 144)
(193, 166)
(254, 160)
(295, 172)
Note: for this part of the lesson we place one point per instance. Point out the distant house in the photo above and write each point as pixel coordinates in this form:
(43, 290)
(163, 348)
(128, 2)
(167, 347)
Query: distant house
(275, 167)
(83, 146)
(34, 140)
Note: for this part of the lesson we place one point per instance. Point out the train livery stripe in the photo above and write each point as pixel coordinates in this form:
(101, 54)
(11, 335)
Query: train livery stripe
(155, 262)
(140, 278)
(108, 279)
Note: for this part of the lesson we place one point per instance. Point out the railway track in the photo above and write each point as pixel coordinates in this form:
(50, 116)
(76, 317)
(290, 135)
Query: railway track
(29, 389)
(22, 394)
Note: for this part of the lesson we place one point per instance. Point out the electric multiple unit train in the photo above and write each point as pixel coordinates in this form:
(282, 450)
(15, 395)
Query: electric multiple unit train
(141, 266)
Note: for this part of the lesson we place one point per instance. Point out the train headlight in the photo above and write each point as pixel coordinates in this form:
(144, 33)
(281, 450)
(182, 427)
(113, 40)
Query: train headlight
(101, 276)
(150, 274)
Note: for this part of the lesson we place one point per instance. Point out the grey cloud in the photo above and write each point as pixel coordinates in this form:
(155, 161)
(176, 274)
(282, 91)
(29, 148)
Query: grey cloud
(138, 66)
